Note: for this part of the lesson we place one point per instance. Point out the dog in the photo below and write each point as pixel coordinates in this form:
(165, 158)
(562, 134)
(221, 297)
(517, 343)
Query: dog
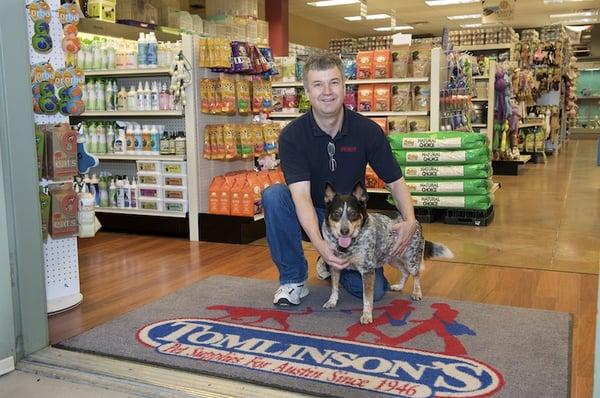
(366, 241)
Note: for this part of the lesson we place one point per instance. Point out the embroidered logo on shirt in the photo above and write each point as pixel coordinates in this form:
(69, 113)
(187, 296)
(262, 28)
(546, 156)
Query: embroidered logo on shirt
(348, 149)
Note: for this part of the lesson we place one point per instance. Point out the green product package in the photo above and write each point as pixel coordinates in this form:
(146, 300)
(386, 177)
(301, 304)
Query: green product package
(40, 144)
(433, 157)
(470, 202)
(479, 186)
(438, 140)
(45, 211)
(479, 170)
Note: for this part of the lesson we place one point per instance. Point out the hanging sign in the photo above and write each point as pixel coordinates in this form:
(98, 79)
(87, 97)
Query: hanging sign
(497, 10)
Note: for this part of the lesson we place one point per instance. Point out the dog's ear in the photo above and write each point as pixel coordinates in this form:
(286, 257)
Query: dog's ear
(329, 193)
(360, 192)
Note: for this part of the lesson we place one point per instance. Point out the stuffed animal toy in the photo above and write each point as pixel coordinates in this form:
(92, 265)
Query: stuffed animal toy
(181, 77)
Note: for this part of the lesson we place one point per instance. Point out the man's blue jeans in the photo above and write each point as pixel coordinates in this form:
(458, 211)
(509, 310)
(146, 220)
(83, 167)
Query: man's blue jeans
(285, 235)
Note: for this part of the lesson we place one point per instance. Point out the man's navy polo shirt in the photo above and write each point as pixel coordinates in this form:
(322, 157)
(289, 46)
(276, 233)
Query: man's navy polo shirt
(304, 156)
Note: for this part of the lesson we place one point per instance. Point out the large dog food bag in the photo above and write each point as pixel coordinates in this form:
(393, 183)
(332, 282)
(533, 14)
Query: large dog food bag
(442, 157)
(438, 140)
(480, 170)
(472, 202)
(449, 187)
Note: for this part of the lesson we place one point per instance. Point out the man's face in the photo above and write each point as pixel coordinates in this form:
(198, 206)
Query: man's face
(325, 90)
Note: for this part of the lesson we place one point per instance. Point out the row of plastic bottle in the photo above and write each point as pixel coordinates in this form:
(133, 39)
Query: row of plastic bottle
(104, 95)
(109, 191)
(146, 52)
(108, 138)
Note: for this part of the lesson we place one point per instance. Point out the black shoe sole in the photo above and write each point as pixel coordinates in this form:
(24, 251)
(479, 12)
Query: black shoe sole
(285, 303)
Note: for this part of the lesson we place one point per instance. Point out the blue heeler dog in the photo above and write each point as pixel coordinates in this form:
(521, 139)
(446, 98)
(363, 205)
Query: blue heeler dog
(366, 241)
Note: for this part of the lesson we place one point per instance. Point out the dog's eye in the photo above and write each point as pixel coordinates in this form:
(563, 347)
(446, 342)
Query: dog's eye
(337, 214)
(352, 214)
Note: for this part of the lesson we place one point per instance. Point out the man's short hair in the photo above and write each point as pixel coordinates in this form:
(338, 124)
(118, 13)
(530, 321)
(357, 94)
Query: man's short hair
(321, 62)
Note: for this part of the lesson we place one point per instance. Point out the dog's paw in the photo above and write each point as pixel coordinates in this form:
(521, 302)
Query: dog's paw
(396, 288)
(330, 304)
(366, 318)
(416, 296)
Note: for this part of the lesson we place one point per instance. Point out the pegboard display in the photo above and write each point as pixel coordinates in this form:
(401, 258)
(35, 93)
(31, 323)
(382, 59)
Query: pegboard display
(170, 123)
(61, 262)
(210, 168)
(115, 167)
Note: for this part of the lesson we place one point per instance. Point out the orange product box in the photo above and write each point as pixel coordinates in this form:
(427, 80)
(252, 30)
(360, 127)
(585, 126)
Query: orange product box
(214, 190)
(265, 181)
(256, 187)
(382, 64)
(236, 196)
(248, 208)
(225, 198)
(364, 65)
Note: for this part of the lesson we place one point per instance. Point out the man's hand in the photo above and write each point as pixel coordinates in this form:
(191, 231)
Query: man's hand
(328, 255)
(404, 233)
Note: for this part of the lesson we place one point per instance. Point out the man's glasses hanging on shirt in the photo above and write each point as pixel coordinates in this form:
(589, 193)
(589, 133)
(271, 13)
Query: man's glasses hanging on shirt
(331, 152)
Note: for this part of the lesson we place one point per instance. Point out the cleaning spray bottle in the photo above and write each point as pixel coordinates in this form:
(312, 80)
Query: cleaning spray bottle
(154, 97)
(112, 193)
(126, 193)
(129, 139)
(147, 97)
(132, 99)
(102, 184)
(120, 194)
(140, 98)
(151, 50)
(142, 45)
(133, 194)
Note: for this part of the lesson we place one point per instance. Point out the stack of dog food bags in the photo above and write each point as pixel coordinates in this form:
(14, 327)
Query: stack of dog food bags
(445, 169)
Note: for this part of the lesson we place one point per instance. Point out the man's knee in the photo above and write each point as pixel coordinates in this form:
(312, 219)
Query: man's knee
(275, 195)
(352, 283)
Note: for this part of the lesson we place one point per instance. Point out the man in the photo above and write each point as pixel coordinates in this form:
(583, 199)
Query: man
(328, 144)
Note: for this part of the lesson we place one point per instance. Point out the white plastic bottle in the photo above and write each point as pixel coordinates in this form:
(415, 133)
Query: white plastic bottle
(164, 98)
(101, 131)
(110, 139)
(139, 143)
(111, 55)
(154, 140)
(147, 97)
(126, 193)
(112, 194)
(100, 105)
(122, 99)
(142, 46)
(154, 97)
(95, 189)
(108, 97)
(91, 96)
(129, 139)
(120, 195)
(115, 90)
(133, 194)
(140, 97)
(120, 145)
(132, 99)
(93, 139)
(151, 50)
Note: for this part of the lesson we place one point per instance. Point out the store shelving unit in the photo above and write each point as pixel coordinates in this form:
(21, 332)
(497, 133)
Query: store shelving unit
(176, 120)
(488, 47)
(289, 115)
(128, 72)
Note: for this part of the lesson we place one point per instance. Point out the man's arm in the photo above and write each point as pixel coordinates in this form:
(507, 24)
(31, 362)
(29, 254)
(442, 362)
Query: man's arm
(403, 202)
(309, 221)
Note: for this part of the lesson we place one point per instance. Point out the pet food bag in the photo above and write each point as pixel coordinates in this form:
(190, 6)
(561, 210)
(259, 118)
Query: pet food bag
(278, 99)
(349, 63)
(396, 124)
(382, 64)
(365, 98)
(400, 61)
(480, 186)
(350, 97)
(462, 156)
(479, 170)
(364, 65)
(381, 97)
(471, 202)
(421, 60)
(417, 124)
(439, 140)
(401, 97)
(421, 94)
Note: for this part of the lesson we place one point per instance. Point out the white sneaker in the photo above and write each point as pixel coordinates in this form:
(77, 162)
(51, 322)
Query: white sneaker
(322, 269)
(290, 294)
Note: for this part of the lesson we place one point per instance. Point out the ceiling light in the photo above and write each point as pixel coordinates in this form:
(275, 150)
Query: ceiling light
(579, 28)
(389, 28)
(584, 13)
(370, 17)
(471, 25)
(433, 3)
(561, 1)
(331, 3)
(467, 16)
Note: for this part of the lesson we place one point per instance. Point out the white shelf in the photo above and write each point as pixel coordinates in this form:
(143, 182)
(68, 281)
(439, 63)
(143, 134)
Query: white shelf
(390, 80)
(284, 115)
(363, 81)
(131, 114)
(478, 125)
(377, 190)
(479, 99)
(112, 156)
(525, 125)
(128, 72)
(480, 77)
(140, 212)
(484, 47)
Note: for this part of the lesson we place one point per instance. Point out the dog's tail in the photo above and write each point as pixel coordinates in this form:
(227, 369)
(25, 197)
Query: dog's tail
(437, 250)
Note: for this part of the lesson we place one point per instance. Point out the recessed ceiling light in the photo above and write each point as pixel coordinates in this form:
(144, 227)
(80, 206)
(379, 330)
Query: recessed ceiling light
(389, 28)
(433, 3)
(579, 28)
(466, 16)
(331, 3)
(471, 25)
(583, 13)
(369, 17)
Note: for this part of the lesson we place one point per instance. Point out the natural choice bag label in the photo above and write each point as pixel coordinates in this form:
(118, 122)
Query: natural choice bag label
(435, 187)
(465, 171)
(426, 143)
(439, 201)
(470, 156)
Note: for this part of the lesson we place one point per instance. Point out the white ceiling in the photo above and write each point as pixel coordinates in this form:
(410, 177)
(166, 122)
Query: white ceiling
(529, 13)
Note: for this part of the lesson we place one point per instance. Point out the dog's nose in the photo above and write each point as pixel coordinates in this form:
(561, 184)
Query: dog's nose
(345, 231)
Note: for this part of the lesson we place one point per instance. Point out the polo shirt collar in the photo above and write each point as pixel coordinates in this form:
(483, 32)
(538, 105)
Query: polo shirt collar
(317, 130)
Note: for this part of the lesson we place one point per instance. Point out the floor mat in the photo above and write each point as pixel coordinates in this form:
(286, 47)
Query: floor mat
(227, 326)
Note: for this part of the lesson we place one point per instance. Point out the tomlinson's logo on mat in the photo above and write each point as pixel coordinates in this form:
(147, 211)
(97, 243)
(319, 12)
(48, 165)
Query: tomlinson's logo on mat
(389, 370)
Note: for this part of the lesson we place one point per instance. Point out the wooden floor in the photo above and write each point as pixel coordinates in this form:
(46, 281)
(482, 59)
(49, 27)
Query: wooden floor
(541, 251)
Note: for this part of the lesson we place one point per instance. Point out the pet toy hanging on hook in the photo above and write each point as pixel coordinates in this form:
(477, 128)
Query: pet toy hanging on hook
(181, 77)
